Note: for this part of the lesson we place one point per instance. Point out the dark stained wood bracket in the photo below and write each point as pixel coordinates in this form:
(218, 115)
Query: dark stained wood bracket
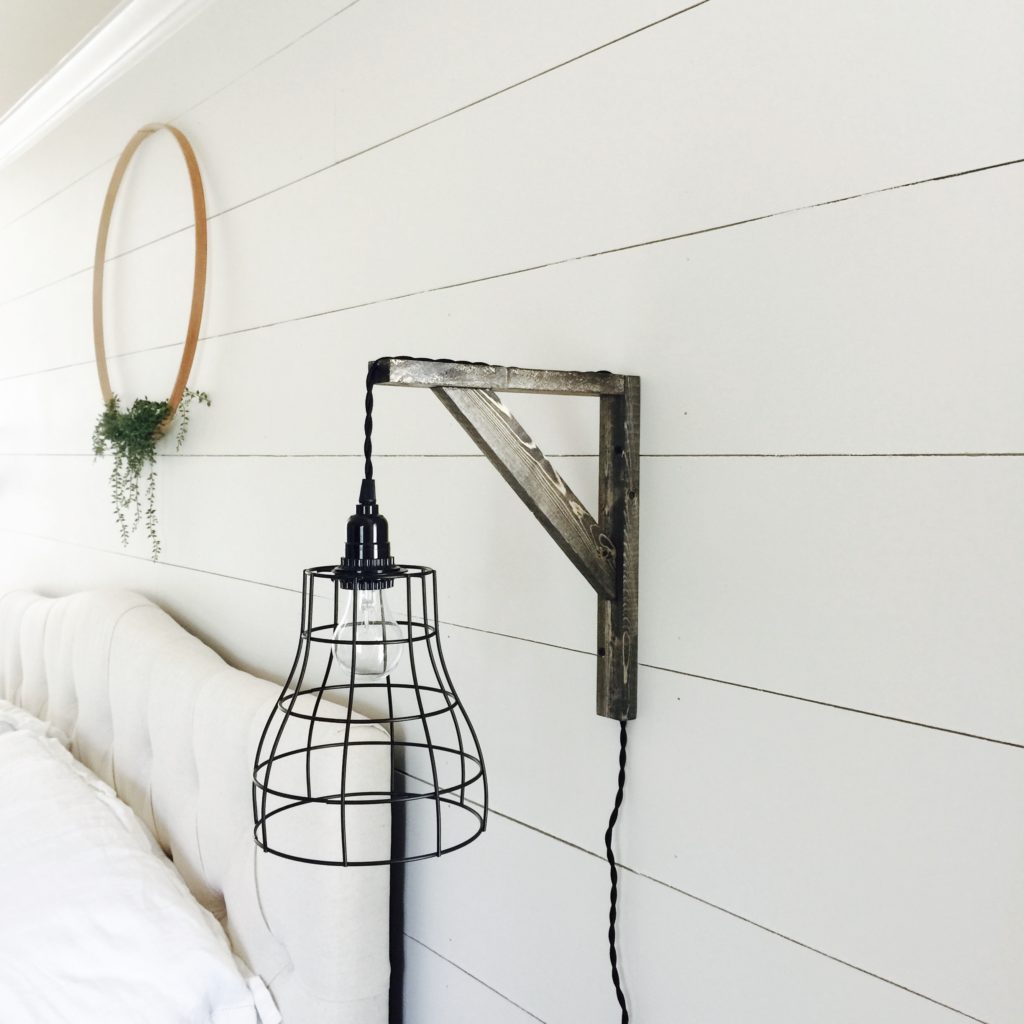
(605, 549)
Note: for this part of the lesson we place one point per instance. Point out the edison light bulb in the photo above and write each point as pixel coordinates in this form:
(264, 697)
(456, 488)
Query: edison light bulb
(378, 648)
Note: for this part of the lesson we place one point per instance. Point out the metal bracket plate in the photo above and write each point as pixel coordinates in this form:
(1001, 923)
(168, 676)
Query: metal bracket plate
(604, 549)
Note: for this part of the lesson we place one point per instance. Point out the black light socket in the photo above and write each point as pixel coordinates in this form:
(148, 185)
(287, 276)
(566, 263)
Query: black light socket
(367, 560)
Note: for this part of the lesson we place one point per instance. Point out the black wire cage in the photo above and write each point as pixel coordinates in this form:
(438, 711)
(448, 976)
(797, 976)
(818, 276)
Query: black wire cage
(368, 756)
(368, 698)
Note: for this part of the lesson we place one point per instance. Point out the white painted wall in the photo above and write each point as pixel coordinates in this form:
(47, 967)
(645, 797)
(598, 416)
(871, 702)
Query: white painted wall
(36, 35)
(823, 813)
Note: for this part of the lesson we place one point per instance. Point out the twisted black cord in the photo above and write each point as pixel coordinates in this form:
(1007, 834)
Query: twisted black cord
(612, 955)
(371, 375)
(368, 423)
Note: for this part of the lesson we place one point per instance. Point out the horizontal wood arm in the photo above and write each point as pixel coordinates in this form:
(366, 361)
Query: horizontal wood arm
(434, 373)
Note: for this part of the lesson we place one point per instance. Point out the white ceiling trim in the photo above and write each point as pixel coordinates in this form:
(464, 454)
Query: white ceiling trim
(133, 30)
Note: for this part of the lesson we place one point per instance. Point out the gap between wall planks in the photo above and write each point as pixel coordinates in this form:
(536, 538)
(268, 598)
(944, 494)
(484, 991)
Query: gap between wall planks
(710, 424)
(623, 32)
(333, 311)
(990, 716)
(278, 187)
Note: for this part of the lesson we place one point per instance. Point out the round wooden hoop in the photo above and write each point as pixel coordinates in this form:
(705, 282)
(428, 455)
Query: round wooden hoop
(198, 277)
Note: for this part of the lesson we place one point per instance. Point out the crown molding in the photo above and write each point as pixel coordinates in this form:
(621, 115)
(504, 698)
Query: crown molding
(131, 32)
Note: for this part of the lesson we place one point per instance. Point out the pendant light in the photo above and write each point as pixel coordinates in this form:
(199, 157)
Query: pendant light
(370, 640)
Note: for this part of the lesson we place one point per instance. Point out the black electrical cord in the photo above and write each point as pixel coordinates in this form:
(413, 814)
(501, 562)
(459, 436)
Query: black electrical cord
(371, 376)
(368, 423)
(612, 912)
(612, 955)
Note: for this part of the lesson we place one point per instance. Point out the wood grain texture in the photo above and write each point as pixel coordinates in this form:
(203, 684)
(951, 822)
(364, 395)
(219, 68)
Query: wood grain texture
(619, 502)
(539, 485)
(435, 373)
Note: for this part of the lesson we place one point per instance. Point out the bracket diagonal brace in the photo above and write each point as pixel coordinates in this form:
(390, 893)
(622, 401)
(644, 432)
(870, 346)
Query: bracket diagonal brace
(512, 452)
(605, 550)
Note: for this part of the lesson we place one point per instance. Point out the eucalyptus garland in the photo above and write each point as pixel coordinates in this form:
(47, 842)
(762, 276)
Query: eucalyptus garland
(130, 435)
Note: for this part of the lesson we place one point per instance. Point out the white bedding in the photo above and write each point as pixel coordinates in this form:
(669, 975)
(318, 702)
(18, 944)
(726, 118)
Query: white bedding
(12, 717)
(96, 927)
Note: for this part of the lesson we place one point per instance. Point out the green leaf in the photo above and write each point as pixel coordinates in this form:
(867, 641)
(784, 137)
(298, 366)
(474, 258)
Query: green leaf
(130, 436)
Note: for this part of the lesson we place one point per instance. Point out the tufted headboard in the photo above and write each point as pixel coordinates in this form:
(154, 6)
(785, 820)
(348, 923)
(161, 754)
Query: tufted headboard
(173, 729)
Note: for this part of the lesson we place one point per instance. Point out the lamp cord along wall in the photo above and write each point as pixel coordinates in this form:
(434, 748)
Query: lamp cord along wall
(612, 955)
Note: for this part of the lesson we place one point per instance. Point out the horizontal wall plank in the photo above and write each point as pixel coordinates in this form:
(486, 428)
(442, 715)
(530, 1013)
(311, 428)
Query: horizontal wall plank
(373, 73)
(436, 989)
(746, 340)
(889, 586)
(541, 934)
(842, 831)
(424, 212)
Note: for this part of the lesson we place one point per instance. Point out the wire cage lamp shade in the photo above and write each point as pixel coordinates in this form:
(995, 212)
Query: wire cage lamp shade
(369, 699)
(368, 756)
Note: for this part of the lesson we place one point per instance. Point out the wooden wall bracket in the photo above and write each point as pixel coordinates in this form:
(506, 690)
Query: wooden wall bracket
(604, 549)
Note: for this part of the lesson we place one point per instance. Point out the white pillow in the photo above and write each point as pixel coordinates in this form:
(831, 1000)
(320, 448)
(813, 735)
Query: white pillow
(12, 717)
(96, 926)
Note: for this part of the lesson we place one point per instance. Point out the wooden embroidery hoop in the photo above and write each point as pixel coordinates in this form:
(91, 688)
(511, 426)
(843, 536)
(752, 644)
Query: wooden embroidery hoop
(198, 277)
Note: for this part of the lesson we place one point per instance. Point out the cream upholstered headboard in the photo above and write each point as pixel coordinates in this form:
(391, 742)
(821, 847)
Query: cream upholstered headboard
(173, 729)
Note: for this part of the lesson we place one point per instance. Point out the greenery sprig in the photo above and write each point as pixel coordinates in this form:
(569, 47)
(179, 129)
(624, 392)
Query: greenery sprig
(130, 435)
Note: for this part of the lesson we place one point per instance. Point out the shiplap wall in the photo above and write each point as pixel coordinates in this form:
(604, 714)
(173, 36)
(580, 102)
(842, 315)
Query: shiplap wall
(803, 225)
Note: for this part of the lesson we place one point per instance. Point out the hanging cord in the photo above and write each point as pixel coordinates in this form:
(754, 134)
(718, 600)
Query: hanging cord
(371, 375)
(368, 423)
(612, 955)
